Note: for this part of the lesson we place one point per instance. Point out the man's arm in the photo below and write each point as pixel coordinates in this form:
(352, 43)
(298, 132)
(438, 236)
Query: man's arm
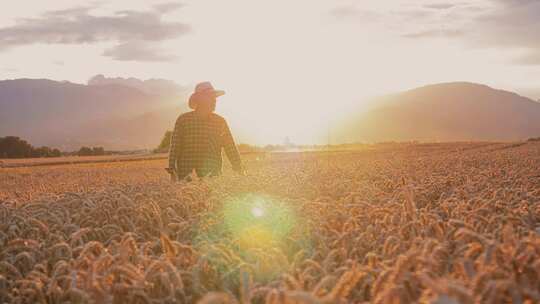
(230, 148)
(174, 149)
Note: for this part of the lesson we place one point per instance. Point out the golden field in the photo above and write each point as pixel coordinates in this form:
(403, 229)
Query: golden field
(415, 223)
(72, 160)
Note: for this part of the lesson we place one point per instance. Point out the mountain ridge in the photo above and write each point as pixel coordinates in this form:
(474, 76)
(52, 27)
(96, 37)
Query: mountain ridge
(118, 114)
(61, 113)
(445, 112)
(473, 85)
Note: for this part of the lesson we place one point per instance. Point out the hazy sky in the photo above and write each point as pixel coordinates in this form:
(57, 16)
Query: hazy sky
(278, 58)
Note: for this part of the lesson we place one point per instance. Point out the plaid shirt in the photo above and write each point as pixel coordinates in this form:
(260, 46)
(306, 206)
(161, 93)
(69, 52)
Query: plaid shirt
(197, 142)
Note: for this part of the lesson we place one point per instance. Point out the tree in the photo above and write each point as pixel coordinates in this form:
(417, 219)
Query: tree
(14, 147)
(42, 152)
(165, 142)
(98, 151)
(85, 151)
(56, 153)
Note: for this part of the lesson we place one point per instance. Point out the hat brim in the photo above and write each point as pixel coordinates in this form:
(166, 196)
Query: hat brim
(193, 98)
(219, 93)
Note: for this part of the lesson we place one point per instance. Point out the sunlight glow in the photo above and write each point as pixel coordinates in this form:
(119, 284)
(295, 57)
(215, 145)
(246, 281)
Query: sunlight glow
(257, 211)
(303, 75)
(259, 229)
(258, 221)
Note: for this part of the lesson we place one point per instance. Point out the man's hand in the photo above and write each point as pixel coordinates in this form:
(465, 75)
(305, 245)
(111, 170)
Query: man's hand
(172, 172)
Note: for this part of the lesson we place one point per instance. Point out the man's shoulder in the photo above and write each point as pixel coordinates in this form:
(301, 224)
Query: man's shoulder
(219, 118)
(184, 116)
(189, 117)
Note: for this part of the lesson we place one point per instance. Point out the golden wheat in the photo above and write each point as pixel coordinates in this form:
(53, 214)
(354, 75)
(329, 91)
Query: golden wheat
(449, 223)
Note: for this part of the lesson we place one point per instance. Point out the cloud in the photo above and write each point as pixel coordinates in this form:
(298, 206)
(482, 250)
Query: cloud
(411, 19)
(168, 7)
(530, 58)
(80, 10)
(435, 33)
(440, 6)
(514, 3)
(512, 24)
(351, 11)
(7, 69)
(499, 24)
(137, 51)
(131, 29)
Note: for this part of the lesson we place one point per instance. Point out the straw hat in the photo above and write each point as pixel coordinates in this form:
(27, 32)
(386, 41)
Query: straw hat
(202, 90)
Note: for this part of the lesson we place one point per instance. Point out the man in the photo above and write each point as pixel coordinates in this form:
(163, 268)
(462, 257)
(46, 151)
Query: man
(199, 137)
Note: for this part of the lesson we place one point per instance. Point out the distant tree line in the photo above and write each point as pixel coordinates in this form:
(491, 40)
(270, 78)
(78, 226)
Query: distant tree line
(14, 147)
(287, 146)
(87, 151)
(165, 143)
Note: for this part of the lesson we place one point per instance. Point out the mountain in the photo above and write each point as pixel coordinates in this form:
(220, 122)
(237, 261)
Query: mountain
(68, 115)
(160, 87)
(445, 112)
(127, 113)
(142, 131)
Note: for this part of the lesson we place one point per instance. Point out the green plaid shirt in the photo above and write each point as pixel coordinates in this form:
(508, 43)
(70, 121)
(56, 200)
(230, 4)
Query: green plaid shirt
(197, 142)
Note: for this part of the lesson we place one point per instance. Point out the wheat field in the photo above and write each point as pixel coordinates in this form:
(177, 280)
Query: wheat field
(437, 223)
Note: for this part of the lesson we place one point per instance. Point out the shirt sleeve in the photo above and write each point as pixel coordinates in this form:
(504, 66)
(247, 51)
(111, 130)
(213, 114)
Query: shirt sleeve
(230, 148)
(174, 150)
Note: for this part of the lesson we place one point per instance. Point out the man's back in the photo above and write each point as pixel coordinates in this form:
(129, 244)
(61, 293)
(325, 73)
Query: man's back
(196, 143)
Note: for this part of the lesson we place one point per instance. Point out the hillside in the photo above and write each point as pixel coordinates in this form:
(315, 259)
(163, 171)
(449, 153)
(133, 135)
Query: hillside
(127, 113)
(68, 115)
(160, 87)
(445, 112)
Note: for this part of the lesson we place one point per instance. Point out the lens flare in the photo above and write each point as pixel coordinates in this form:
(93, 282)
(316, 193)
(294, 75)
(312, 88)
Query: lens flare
(257, 211)
(261, 220)
(257, 231)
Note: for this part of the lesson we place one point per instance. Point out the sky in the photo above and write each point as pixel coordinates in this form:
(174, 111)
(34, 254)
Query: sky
(279, 61)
